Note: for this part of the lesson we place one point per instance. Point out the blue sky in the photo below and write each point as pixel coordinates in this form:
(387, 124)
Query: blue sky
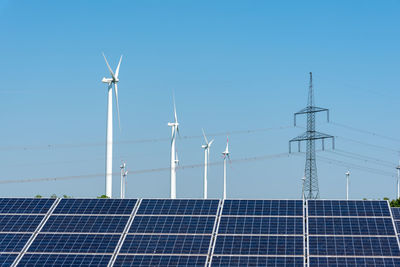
(233, 65)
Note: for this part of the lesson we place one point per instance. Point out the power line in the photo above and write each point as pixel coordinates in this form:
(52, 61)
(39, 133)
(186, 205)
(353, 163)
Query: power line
(183, 167)
(137, 141)
(365, 132)
(356, 156)
(368, 144)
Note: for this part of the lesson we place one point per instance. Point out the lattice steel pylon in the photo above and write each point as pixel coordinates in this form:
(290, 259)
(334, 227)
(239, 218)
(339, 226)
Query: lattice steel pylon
(311, 189)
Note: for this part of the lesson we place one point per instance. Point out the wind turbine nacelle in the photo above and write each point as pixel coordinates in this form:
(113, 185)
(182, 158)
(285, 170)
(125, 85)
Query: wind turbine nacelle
(106, 80)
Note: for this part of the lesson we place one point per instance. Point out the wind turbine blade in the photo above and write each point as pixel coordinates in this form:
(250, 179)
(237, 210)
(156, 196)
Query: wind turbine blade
(116, 99)
(109, 68)
(210, 143)
(205, 137)
(176, 117)
(117, 70)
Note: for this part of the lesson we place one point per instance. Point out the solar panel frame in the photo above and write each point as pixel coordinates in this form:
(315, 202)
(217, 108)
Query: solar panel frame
(262, 207)
(99, 206)
(178, 207)
(25, 205)
(256, 261)
(159, 260)
(20, 223)
(34, 259)
(351, 208)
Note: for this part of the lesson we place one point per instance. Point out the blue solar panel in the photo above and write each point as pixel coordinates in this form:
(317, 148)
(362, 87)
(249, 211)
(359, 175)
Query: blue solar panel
(396, 213)
(166, 244)
(148, 260)
(86, 224)
(360, 262)
(350, 226)
(259, 245)
(355, 208)
(13, 242)
(263, 207)
(353, 246)
(7, 259)
(178, 207)
(261, 225)
(256, 261)
(19, 223)
(64, 260)
(397, 224)
(172, 224)
(75, 243)
(25, 205)
(95, 206)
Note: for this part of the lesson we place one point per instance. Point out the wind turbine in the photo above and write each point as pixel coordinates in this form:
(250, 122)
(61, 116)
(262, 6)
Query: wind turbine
(206, 158)
(109, 147)
(174, 157)
(226, 155)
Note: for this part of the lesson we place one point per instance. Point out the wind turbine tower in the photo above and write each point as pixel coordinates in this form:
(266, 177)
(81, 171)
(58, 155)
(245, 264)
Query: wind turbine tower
(311, 188)
(225, 155)
(109, 140)
(206, 148)
(174, 158)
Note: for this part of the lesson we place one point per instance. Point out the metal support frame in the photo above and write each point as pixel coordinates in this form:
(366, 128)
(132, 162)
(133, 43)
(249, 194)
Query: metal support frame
(311, 185)
(215, 234)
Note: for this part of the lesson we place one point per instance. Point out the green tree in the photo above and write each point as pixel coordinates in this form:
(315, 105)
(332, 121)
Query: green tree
(38, 196)
(103, 196)
(53, 196)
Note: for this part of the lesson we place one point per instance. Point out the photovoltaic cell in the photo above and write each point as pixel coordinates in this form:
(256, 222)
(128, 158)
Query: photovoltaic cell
(149, 260)
(263, 207)
(19, 223)
(95, 206)
(172, 224)
(7, 259)
(259, 245)
(353, 246)
(74, 243)
(178, 207)
(25, 205)
(359, 262)
(166, 244)
(350, 226)
(13, 242)
(261, 225)
(86, 224)
(396, 213)
(256, 261)
(355, 208)
(64, 260)
(397, 224)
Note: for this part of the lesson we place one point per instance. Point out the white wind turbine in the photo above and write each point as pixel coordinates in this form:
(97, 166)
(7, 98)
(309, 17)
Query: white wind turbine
(174, 157)
(226, 155)
(109, 147)
(206, 159)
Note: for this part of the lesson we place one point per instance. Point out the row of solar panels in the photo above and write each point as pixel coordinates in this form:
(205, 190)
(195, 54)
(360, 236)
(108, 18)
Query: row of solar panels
(187, 232)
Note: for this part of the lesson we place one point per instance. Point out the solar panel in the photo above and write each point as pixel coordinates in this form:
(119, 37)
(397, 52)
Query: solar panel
(263, 207)
(256, 261)
(396, 213)
(342, 208)
(7, 259)
(64, 260)
(95, 206)
(353, 246)
(85, 224)
(172, 224)
(259, 245)
(154, 260)
(75, 243)
(19, 223)
(261, 225)
(166, 244)
(348, 261)
(13, 242)
(178, 207)
(350, 226)
(25, 205)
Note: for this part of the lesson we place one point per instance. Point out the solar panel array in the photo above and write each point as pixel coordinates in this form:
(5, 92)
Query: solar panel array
(348, 233)
(190, 232)
(260, 232)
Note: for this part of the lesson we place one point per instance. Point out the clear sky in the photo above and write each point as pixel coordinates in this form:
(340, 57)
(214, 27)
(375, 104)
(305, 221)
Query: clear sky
(234, 66)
